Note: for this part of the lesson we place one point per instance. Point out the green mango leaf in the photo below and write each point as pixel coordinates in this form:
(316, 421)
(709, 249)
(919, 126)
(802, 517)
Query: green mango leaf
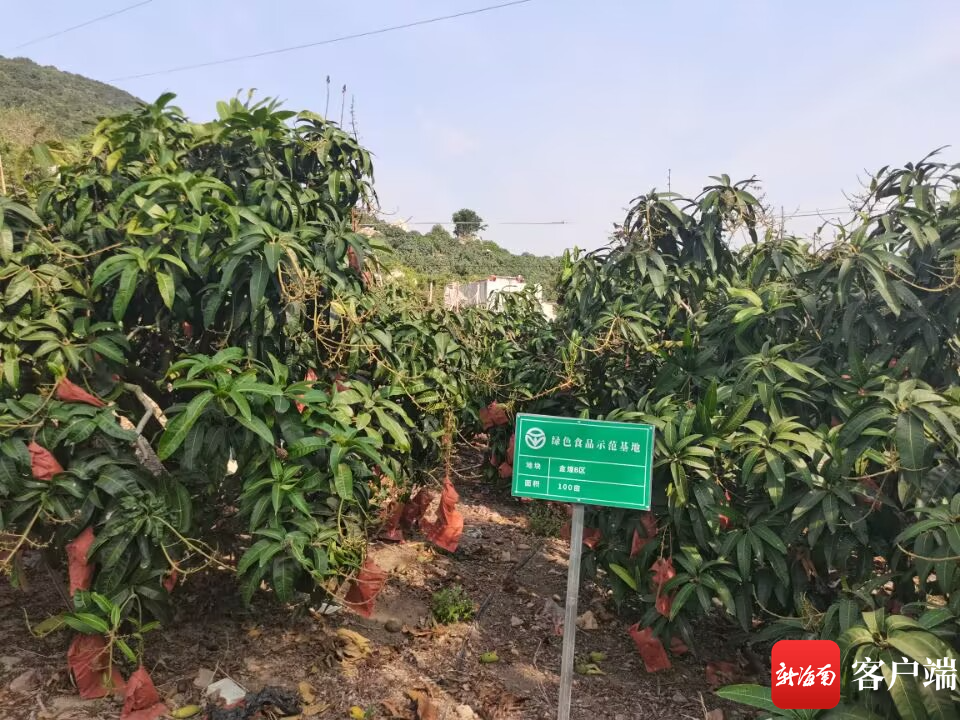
(167, 289)
(110, 268)
(343, 481)
(107, 349)
(769, 537)
(308, 445)
(273, 251)
(849, 614)
(11, 371)
(681, 599)
(259, 277)
(177, 429)
(300, 503)
(918, 528)
(253, 554)
(112, 160)
(624, 575)
(905, 692)
(911, 443)
(125, 291)
(393, 428)
(87, 623)
(22, 283)
(285, 571)
(128, 653)
(739, 415)
(181, 507)
(243, 407)
(755, 696)
(51, 624)
(250, 584)
(919, 645)
(938, 703)
(6, 243)
(256, 425)
(853, 428)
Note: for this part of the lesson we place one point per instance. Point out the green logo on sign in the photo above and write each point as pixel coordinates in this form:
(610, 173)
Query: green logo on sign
(535, 438)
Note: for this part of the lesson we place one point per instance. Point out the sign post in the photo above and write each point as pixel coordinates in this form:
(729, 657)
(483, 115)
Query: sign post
(570, 612)
(584, 462)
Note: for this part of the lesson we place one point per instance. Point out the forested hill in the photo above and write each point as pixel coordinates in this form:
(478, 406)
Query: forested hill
(440, 257)
(42, 100)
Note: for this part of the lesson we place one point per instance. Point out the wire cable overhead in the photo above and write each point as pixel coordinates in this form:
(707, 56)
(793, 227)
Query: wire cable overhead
(799, 213)
(318, 43)
(83, 24)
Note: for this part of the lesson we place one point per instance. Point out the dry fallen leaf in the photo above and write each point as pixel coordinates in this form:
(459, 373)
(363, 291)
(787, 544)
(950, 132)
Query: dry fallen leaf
(353, 645)
(426, 708)
(315, 709)
(396, 712)
(716, 714)
(720, 673)
(306, 692)
(506, 705)
(254, 632)
(416, 632)
(587, 621)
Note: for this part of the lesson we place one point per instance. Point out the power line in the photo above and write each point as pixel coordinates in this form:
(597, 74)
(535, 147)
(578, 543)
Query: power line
(450, 222)
(329, 41)
(431, 223)
(816, 213)
(83, 24)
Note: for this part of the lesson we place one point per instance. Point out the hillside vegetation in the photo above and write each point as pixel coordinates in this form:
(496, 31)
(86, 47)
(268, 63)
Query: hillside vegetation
(62, 104)
(440, 257)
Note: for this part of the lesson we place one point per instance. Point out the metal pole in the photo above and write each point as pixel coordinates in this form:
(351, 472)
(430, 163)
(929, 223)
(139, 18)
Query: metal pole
(570, 613)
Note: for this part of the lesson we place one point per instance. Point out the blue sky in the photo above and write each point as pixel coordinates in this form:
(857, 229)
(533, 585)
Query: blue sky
(559, 109)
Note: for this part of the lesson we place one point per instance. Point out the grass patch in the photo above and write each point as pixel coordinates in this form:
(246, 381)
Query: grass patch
(452, 605)
(544, 520)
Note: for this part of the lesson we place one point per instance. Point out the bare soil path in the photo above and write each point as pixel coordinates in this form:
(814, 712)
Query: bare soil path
(511, 573)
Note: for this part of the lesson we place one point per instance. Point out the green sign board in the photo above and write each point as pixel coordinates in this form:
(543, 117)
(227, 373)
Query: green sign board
(593, 462)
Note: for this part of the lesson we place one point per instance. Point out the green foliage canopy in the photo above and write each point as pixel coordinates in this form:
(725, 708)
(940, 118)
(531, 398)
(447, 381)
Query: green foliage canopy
(806, 403)
(206, 281)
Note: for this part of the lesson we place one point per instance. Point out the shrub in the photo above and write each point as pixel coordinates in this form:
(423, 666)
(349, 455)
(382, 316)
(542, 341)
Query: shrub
(198, 361)
(545, 520)
(805, 402)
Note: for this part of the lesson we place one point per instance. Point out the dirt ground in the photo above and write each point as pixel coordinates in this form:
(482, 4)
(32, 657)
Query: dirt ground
(508, 571)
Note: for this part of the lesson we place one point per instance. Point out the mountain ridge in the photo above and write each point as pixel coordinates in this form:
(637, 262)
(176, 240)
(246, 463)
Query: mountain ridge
(44, 102)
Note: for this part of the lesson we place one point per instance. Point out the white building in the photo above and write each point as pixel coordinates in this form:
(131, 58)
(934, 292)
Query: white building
(484, 292)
